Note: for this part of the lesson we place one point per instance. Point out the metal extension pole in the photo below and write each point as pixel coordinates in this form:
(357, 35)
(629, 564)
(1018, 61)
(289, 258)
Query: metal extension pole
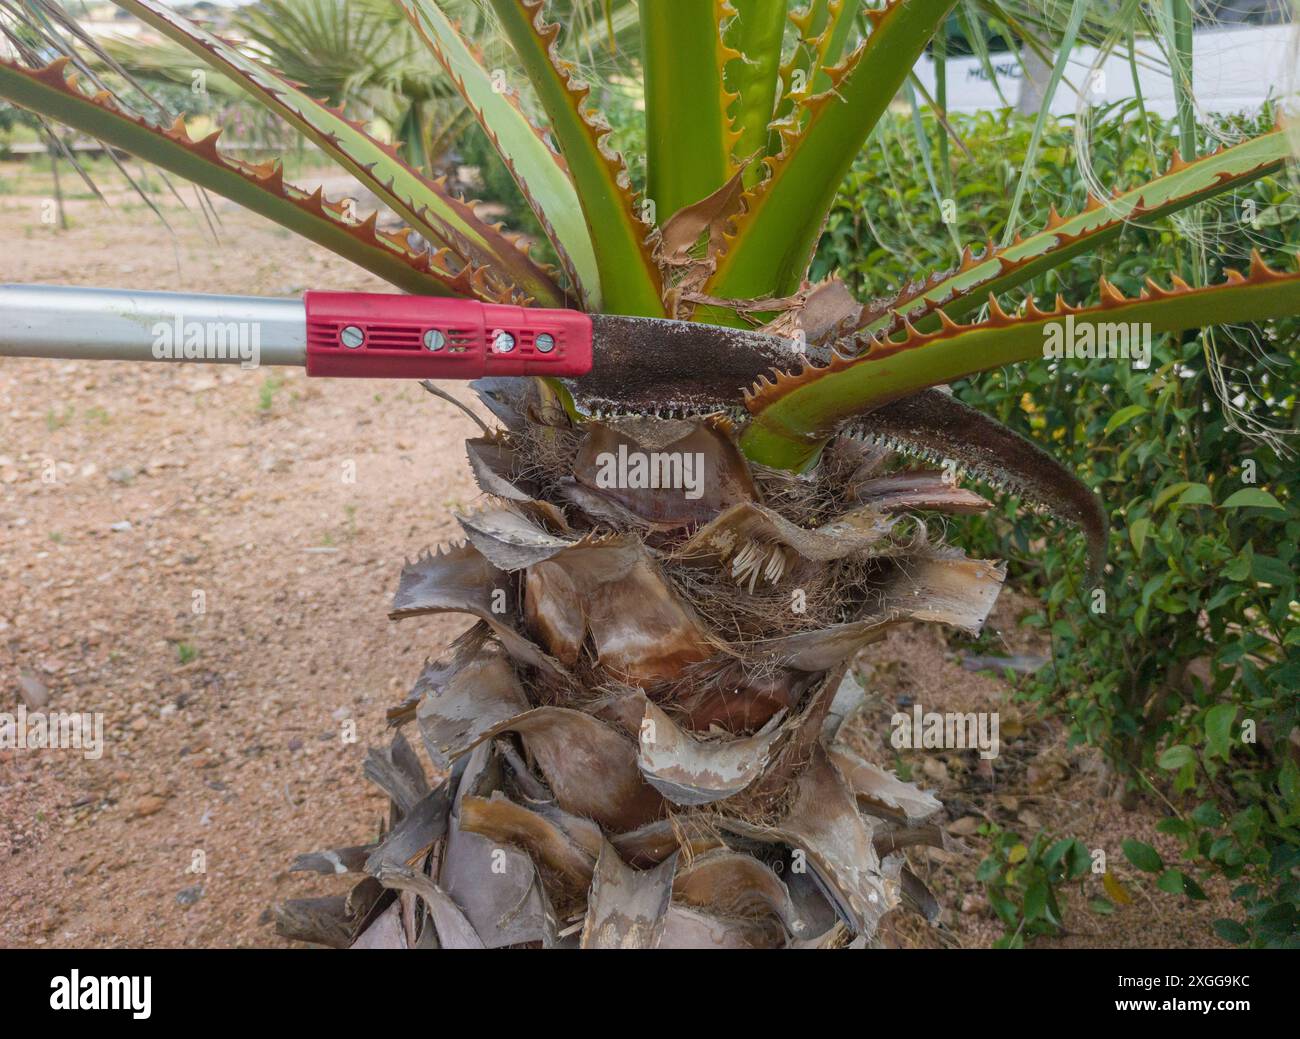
(124, 325)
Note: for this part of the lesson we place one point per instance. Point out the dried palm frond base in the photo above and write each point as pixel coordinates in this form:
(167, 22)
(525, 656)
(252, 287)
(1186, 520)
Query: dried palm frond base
(638, 734)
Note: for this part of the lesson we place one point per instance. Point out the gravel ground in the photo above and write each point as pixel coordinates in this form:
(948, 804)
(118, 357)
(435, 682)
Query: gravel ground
(133, 495)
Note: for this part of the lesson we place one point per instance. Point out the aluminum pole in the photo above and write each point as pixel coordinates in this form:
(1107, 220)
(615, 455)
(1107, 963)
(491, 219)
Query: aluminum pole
(124, 325)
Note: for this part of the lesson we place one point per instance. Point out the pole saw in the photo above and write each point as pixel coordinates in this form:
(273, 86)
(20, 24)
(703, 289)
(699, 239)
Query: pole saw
(608, 362)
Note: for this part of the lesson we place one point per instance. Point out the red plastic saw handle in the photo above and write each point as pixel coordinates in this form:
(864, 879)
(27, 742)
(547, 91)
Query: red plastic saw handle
(370, 335)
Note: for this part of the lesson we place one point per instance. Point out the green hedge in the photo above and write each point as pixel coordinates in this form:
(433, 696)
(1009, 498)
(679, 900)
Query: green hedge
(1187, 679)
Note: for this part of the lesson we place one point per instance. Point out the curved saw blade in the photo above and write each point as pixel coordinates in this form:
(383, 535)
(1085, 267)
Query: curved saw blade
(653, 366)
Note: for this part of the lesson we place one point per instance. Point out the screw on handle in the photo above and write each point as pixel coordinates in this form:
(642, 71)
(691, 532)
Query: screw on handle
(383, 336)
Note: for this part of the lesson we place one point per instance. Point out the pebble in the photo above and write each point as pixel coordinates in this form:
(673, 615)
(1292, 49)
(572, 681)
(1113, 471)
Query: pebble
(150, 804)
(935, 770)
(965, 826)
(187, 896)
(1046, 770)
(34, 692)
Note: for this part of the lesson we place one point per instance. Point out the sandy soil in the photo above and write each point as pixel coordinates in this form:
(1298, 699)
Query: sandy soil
(130, 493)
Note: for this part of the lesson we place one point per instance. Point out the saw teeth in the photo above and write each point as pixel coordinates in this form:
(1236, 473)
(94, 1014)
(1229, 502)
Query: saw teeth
(602, 410)
(969, 471)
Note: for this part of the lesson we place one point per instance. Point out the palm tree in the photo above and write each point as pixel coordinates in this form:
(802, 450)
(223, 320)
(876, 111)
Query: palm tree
(635, 743)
